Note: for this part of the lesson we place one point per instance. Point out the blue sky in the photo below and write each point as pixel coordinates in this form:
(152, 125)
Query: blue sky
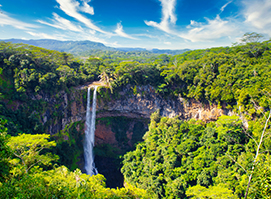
(163, 24)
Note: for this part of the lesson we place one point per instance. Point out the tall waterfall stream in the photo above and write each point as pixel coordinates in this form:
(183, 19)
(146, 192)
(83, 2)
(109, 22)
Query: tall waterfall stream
(89, 134)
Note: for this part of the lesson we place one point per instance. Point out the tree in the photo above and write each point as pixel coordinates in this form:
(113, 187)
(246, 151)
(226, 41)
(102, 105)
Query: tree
(26, 148)
(106, 79)
(252, 41)
(251, 37)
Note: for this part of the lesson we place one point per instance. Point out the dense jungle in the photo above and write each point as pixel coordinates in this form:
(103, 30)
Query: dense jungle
(152, 155)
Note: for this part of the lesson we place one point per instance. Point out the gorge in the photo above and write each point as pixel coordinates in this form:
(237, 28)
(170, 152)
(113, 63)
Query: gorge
(122, 120)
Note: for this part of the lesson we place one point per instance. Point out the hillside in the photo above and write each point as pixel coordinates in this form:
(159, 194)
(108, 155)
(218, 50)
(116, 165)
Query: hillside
(73, 47)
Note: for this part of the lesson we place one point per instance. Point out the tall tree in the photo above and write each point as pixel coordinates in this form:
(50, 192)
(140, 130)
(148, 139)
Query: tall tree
(26, 148)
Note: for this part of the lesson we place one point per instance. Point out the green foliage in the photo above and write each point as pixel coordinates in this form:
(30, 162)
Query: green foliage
(176, 155)
(27, 148)
(261, 186)
(69, 144)
(34, 69)
(30, 181)
(177, 158)
(217, 192)
(221, 75)
(4, 151)
(62, 183)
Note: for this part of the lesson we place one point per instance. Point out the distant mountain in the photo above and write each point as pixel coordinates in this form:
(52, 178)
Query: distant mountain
(73, 47)
(132, 49)
(78, 47)
(156, 51)
(168, 51)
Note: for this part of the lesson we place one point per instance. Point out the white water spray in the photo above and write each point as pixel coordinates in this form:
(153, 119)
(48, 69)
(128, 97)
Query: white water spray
(89, 135)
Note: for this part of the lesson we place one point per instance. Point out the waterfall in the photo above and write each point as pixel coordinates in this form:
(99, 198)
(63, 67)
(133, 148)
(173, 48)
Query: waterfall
(89, 134)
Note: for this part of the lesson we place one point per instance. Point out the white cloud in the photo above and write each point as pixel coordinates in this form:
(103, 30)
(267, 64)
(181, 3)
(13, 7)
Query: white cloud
(192, 23)
(121, 33)
(211, 30)
(6, 20)
(42, 35)
(148, 35)
(87, 9)
(168, 16)
(257, 14)
(87, 1)
(71, 7)
(167, 43)
(214, 29)
(224, 6)
(61, 23)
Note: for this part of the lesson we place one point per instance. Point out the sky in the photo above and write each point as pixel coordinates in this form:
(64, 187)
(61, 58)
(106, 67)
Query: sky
(162, 24)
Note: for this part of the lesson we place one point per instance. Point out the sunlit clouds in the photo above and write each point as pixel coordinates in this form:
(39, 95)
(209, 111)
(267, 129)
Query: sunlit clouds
(213, 29)
(195, 31)
(62, 23)
(168, 16)
(257, 14)
(71, 7)
(121, 33)
(224, 6)
(43, 35)
(87, 9)
(9, 21)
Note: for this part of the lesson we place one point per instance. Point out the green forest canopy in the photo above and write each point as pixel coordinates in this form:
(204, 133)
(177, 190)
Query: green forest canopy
(177, 158)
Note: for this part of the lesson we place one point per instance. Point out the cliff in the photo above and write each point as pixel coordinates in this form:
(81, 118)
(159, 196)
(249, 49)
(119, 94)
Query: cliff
(64, 108)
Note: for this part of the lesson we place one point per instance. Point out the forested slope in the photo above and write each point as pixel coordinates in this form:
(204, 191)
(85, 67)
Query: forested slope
(179, 159)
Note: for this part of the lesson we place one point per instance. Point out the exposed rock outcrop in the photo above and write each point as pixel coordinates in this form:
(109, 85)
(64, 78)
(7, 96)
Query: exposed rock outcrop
(64, 108)
(147, 101)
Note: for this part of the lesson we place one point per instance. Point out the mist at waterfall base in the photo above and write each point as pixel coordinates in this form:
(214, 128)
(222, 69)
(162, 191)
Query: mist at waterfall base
(89, 134)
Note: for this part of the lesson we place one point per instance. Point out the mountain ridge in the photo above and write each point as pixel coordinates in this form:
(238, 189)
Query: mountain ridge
(76, 47)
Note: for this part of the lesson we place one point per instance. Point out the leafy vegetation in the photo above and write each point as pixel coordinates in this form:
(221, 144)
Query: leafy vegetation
(177, 159)
(23, 177)
(225, 75)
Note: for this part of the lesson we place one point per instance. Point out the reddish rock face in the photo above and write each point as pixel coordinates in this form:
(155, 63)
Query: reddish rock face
(104, 135)
(121, 136)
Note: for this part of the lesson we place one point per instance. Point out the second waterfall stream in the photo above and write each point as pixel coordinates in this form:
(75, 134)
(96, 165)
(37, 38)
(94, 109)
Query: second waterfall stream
(89, 134)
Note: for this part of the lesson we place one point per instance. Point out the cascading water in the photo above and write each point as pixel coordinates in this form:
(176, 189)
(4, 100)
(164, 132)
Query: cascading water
(89, 134)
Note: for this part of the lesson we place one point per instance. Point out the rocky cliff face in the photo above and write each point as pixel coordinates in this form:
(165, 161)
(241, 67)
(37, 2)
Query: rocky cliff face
(146, 101)
(65, 108)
